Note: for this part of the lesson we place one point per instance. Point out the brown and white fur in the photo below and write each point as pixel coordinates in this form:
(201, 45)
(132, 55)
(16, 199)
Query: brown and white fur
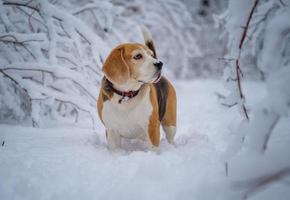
(134, 67)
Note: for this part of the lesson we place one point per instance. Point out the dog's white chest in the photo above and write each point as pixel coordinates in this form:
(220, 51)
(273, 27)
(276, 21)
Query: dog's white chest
(128, 119)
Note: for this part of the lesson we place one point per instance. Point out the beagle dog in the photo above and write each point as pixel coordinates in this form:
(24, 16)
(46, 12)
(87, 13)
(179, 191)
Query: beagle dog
(134, 97)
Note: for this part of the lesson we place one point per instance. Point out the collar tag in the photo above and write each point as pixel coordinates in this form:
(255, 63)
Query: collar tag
(124, 98)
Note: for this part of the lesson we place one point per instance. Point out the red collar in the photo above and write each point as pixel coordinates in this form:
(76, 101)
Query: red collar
(125, 95)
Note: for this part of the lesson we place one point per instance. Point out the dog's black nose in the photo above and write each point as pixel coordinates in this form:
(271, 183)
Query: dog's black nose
(158, 64)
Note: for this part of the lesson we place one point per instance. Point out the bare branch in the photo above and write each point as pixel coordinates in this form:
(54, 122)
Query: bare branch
(86, 8)
(238, 69)
(95, 71)
(13, 80)
(53, 75)
(227, 59)
(78, 107)
(229, 105)
(20, 4)
(22, 88)
(82, 36)
(32, 17)
(227, 168)
(15, 41)
(269, 133)
(67, 59)
(254, 185)
(219, 95)
(282, 2)
(63, 29)
(247, 24)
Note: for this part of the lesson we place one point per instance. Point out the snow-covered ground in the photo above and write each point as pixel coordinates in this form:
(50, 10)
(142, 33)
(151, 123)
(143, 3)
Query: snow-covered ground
(74, 163)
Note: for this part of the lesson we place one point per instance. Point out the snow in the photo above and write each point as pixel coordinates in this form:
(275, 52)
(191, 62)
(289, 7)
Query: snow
(48, 51)
(68, 162)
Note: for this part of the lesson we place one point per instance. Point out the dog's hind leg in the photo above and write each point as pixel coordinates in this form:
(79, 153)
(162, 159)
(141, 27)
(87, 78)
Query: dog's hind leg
(169, 120)
(170, 132)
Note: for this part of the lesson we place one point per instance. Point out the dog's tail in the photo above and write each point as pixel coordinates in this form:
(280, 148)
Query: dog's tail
(148, 40)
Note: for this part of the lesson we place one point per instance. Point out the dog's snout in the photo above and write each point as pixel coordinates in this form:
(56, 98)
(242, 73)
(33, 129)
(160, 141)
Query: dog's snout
(158, 64)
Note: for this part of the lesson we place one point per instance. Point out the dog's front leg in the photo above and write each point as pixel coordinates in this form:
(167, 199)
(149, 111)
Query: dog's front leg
(154, 133)
(113, 139)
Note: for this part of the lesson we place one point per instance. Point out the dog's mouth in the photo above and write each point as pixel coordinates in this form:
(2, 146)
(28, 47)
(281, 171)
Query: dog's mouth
(158, 78)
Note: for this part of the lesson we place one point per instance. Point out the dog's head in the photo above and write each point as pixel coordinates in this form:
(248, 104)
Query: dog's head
(132, 61)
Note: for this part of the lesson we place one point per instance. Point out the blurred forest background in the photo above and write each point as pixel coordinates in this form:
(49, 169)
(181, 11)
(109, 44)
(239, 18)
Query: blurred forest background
(52, 51)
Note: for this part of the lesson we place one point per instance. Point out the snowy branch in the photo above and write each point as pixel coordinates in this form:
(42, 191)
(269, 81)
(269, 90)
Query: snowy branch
(252, 150)
(269, 132)
(237, 61)
(53, 75)
(53, 63)
(259, 183)
(21, 4)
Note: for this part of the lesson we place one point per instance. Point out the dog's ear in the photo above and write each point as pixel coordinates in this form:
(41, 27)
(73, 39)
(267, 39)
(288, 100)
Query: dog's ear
(148, 40)
(115, 67)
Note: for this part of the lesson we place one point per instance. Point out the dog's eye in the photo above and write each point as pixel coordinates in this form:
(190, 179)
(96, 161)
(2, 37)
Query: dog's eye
(138, 56)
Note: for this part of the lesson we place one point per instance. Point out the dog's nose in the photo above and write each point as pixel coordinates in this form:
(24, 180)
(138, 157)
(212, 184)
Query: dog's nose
(158, 64)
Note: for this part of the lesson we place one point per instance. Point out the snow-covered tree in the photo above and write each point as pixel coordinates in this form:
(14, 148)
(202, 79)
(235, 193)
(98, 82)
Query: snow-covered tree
(52, 51)
(49, 64)
(260, 29)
